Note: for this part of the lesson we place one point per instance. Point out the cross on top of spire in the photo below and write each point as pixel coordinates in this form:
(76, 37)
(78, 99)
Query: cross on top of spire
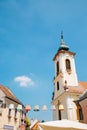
(62, 39)
(61, 34)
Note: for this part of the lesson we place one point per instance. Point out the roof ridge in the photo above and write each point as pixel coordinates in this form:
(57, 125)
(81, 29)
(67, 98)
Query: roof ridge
(9, 94)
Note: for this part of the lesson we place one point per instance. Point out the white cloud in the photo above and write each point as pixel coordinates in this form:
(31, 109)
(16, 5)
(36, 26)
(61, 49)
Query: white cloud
(24, 81)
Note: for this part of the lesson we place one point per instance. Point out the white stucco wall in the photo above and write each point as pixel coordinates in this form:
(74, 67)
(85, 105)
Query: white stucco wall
(9, 121)
(72, 77)
(69, 111)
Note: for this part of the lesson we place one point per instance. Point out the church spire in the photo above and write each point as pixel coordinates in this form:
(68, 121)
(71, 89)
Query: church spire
(63, 46)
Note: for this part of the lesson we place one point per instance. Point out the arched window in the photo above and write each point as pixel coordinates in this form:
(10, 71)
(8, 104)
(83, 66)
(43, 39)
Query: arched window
(57, 66)
(57, 86)
(68, 66)
(79, 112)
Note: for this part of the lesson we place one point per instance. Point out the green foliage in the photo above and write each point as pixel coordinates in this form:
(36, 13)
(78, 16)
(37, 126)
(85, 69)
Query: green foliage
(27, 123)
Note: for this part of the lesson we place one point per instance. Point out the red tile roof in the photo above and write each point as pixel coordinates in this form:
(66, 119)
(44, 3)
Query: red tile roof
(9, 94)
(82, 86)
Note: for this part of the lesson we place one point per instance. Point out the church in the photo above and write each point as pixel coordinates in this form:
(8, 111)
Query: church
(67, 88)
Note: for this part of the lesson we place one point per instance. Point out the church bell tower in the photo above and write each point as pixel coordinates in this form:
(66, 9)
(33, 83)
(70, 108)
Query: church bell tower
(65, 76)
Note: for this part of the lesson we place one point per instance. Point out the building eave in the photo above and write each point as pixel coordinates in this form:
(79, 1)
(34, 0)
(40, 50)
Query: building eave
(63, 52)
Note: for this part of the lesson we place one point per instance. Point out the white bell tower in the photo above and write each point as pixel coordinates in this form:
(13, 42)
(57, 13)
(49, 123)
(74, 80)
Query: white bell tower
(65, 70)
(65, 76)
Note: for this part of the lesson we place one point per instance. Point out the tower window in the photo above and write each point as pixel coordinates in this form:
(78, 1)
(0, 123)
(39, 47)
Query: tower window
(57, 65)
(68, 66)
(57, 86)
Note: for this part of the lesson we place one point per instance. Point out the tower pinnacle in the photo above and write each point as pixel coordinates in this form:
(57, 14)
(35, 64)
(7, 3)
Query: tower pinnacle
(62, 39)
(61, 34)
(63, 46)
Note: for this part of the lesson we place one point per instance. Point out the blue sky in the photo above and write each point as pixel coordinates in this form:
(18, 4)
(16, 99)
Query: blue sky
(29, 38)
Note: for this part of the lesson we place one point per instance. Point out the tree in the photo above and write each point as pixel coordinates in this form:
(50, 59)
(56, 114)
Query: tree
(27, 123)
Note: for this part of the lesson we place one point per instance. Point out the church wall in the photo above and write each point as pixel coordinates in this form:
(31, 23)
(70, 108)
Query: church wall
(72, 76)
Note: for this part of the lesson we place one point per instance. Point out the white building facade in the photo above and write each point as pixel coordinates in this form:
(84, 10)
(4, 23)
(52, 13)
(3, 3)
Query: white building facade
(12, 111)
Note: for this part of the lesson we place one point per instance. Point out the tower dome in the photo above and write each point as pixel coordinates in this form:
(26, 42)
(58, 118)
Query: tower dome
(63, 46)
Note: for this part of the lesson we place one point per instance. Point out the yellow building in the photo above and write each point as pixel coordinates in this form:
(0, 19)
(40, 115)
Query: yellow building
(67, 88)
(82, 100)
(12, 111)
